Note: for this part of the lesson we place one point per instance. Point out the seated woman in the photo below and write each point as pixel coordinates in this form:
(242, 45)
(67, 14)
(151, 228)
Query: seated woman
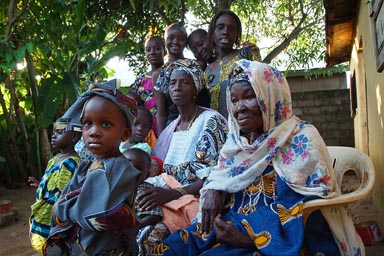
(187, 145)
(252, 201)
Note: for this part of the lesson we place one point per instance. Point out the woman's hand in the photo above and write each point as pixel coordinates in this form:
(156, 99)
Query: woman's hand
(211, 208)
(157, 196)
(229, 235)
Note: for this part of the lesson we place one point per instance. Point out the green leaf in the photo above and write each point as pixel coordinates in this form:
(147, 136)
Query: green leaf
(118, 50)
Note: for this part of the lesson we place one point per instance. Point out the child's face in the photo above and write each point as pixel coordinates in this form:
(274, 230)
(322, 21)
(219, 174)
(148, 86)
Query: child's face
(104, 127)
(155, 168)
(175, 41)
(61, 139)
(141, 126)
(154, 51)
(198, 43)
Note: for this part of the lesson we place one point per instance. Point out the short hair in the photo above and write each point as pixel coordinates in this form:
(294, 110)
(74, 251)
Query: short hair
(135, 155)
(175, 26)
(156, 38)
(212, 26)
(198, 31)
(146, 111)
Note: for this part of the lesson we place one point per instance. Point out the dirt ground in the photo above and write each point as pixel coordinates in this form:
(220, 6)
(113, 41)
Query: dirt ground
(14, 237)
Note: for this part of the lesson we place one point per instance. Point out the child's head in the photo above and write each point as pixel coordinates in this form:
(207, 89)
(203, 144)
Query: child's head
(136, 97)
(225, 21)
(156, 166)
(141, 160)
(141, 125)
(106, 115)
(154, 48)
(175, 40)
(65, 134)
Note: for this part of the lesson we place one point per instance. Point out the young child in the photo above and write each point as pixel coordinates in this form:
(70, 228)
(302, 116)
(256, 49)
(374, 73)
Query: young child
(143, 162)
(94, 215)
(58, 173)
(140, 129)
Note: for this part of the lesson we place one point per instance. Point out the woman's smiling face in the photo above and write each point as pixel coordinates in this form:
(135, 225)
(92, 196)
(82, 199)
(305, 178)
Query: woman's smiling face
(245, 108)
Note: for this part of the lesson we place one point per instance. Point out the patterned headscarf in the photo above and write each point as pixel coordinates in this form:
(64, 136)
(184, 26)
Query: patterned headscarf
(67, 124)
(192, 68)
(106, 90)
(296, 149)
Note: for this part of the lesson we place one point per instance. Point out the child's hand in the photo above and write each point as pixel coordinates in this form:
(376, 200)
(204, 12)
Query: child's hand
(33, 182)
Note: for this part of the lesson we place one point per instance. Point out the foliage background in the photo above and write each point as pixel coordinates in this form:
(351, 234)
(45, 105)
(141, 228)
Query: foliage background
(49, 50)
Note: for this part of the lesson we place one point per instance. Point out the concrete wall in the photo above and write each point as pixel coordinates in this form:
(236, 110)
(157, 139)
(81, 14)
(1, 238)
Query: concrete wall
(325, 103)
(369, 121)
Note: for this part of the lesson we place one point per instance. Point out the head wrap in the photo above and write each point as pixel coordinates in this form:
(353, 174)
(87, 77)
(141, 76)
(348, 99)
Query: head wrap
(192, 68)
(296, 149)
(159, 161)
(108, 91)
(66, 124)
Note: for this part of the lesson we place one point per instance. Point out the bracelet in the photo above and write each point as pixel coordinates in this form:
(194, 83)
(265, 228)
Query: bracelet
(181, 191)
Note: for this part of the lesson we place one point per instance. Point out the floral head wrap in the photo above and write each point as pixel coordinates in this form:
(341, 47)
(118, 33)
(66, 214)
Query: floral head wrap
(296, 149)
(192, 68)
(106, 90)
(271, 88)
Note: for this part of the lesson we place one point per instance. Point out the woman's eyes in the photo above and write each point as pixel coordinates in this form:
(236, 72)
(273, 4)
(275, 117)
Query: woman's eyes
(250, 96)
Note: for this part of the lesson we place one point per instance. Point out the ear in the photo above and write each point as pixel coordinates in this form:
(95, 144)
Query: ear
(126, 134)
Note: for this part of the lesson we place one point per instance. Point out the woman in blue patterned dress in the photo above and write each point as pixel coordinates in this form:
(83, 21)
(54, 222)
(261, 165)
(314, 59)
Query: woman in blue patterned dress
(272, 162)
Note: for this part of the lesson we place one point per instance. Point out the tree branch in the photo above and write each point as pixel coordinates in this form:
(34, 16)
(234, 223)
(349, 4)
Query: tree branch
(161, 13)
(12, 19)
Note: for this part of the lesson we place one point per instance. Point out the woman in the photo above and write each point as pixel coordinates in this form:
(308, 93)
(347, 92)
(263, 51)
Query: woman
(175, 42)
(189, 144)
(224, 33)
(270, 164)
(154, 48)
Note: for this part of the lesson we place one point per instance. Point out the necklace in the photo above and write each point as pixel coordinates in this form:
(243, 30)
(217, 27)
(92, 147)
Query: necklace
(189, 124)
(224, 59)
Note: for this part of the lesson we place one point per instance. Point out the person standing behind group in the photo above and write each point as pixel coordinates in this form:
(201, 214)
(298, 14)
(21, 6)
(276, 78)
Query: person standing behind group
(175, 42)
(154, 48)
(199, 45)
(58, 173)
(95, 214)
(224, 33)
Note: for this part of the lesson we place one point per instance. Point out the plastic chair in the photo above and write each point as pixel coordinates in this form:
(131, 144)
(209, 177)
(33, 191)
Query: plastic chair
(346, 159)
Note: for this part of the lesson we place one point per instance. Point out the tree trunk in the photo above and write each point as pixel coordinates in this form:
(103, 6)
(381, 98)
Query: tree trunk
(24, 136)
(11, 146)
(222, 5)
(45, 148)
